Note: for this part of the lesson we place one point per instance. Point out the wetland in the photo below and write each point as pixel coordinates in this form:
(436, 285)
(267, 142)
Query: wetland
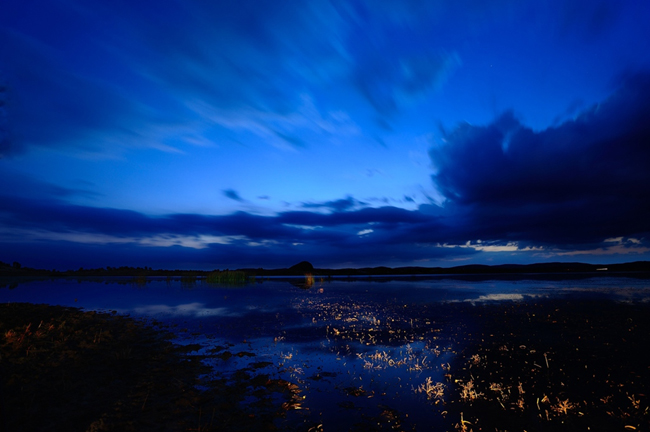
(524, 352)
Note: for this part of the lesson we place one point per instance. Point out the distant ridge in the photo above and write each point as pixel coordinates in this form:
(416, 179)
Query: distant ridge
(554, 267)
(305, 267)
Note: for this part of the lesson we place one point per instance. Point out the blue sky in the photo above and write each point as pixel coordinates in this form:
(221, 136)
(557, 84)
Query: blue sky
(191, 134)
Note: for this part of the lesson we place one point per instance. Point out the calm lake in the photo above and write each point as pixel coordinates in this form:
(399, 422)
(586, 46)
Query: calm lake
(360, 350)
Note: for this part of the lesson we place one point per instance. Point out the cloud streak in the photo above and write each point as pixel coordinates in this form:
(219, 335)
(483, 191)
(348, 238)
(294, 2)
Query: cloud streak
(240, 67)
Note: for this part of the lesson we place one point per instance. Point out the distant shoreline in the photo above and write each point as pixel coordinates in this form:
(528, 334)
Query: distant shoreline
(305, 268)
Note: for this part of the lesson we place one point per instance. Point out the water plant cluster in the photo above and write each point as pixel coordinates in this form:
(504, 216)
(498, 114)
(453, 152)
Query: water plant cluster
(229, 277)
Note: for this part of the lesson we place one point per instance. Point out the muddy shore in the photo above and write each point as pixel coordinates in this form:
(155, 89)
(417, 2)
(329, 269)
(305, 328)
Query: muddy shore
(67, 370)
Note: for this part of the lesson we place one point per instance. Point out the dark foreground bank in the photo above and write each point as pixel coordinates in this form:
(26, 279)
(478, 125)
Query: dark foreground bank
(63, 369)
(67, 370)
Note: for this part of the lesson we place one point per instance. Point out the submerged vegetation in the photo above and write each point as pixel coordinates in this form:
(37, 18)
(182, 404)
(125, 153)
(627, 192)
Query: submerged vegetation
(549, 365)
(229, 277)
(553, 366)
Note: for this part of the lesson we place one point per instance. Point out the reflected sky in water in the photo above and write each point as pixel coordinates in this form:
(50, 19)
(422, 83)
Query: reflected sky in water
(160, 298)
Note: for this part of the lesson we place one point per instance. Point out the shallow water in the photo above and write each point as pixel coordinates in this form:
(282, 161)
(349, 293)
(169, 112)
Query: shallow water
(358, 349)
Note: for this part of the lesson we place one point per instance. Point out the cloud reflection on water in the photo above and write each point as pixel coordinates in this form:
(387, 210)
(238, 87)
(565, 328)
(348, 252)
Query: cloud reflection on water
(189, 309)
(499, 297)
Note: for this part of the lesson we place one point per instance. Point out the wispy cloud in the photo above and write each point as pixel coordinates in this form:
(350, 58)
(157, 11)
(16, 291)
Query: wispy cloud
(281, 128)
(390, 80)
(241, 67)
(232, 65)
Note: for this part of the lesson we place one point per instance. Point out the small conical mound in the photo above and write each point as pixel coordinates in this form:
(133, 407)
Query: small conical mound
(302, 267)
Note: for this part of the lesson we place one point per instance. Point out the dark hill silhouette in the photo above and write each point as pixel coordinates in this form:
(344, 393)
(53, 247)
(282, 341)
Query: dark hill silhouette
(302, 267)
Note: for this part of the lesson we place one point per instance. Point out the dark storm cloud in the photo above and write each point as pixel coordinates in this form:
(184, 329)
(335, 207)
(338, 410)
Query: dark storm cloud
(578, 183)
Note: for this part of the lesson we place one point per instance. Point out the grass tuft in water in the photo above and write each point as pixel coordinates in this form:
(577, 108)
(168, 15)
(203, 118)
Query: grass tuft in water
(228, 277)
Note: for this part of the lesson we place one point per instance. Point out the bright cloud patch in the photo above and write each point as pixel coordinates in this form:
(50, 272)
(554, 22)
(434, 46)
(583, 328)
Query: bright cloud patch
(484, 247)
(161, 240)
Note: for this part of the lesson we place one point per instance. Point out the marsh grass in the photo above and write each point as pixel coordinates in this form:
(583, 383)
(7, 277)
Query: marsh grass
(435, 392)
(139, 280)
(229, 277)
(71, 370)
(410, 359)
(68, 370)
(550, 367)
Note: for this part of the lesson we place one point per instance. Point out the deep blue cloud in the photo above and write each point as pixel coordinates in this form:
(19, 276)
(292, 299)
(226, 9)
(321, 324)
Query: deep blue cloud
(232, 194)
(580, 182)
(335, 205)
(58, 216)
(63, 255)
(329, 239)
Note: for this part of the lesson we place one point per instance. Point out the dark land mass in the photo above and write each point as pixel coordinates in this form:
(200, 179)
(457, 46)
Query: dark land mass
(66, 370)
(304, 268)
